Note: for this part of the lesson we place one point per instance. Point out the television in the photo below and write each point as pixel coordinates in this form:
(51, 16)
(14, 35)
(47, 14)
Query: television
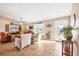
(14, 29)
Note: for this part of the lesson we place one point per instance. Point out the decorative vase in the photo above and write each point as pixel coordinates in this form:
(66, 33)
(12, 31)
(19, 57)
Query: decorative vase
(69, 38)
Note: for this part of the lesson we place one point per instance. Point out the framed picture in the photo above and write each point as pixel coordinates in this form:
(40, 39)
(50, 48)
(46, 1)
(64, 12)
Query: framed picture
(30, 27)
(49, 25)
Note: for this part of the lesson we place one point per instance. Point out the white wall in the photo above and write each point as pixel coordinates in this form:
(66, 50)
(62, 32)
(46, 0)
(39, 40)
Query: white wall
(75, 9)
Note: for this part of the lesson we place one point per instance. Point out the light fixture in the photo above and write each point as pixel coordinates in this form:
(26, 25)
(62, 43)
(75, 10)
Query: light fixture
(21, 22)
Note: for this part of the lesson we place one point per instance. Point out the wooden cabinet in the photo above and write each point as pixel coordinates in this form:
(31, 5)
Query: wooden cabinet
(6, 27)
(67, 48)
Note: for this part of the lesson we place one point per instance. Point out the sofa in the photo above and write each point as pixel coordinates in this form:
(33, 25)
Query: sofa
(5, 37)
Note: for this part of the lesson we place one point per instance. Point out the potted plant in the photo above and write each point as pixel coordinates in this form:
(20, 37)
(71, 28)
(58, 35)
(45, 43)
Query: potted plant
(67, 32)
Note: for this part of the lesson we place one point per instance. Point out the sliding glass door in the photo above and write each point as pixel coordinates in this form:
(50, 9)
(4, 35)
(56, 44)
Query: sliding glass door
(58, 26)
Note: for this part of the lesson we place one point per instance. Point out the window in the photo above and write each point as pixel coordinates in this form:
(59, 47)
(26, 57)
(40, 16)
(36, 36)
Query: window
(39, 28)
(58, 26)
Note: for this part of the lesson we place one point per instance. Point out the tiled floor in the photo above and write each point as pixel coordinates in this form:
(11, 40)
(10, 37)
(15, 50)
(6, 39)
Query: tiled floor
(44, 48)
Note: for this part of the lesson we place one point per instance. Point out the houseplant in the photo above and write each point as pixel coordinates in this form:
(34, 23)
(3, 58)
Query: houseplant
(67, 32)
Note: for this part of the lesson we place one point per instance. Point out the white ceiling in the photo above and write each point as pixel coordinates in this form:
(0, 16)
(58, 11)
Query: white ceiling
(31, 12)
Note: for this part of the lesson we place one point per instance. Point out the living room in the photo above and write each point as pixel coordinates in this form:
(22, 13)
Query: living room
(35, 33)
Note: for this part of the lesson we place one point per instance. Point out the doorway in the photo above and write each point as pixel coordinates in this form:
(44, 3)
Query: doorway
(39, 31)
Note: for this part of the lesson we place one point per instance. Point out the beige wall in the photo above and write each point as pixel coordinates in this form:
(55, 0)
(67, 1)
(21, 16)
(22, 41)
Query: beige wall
(75, 9)
(5, 20)
(24, 28)
(52, 22)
